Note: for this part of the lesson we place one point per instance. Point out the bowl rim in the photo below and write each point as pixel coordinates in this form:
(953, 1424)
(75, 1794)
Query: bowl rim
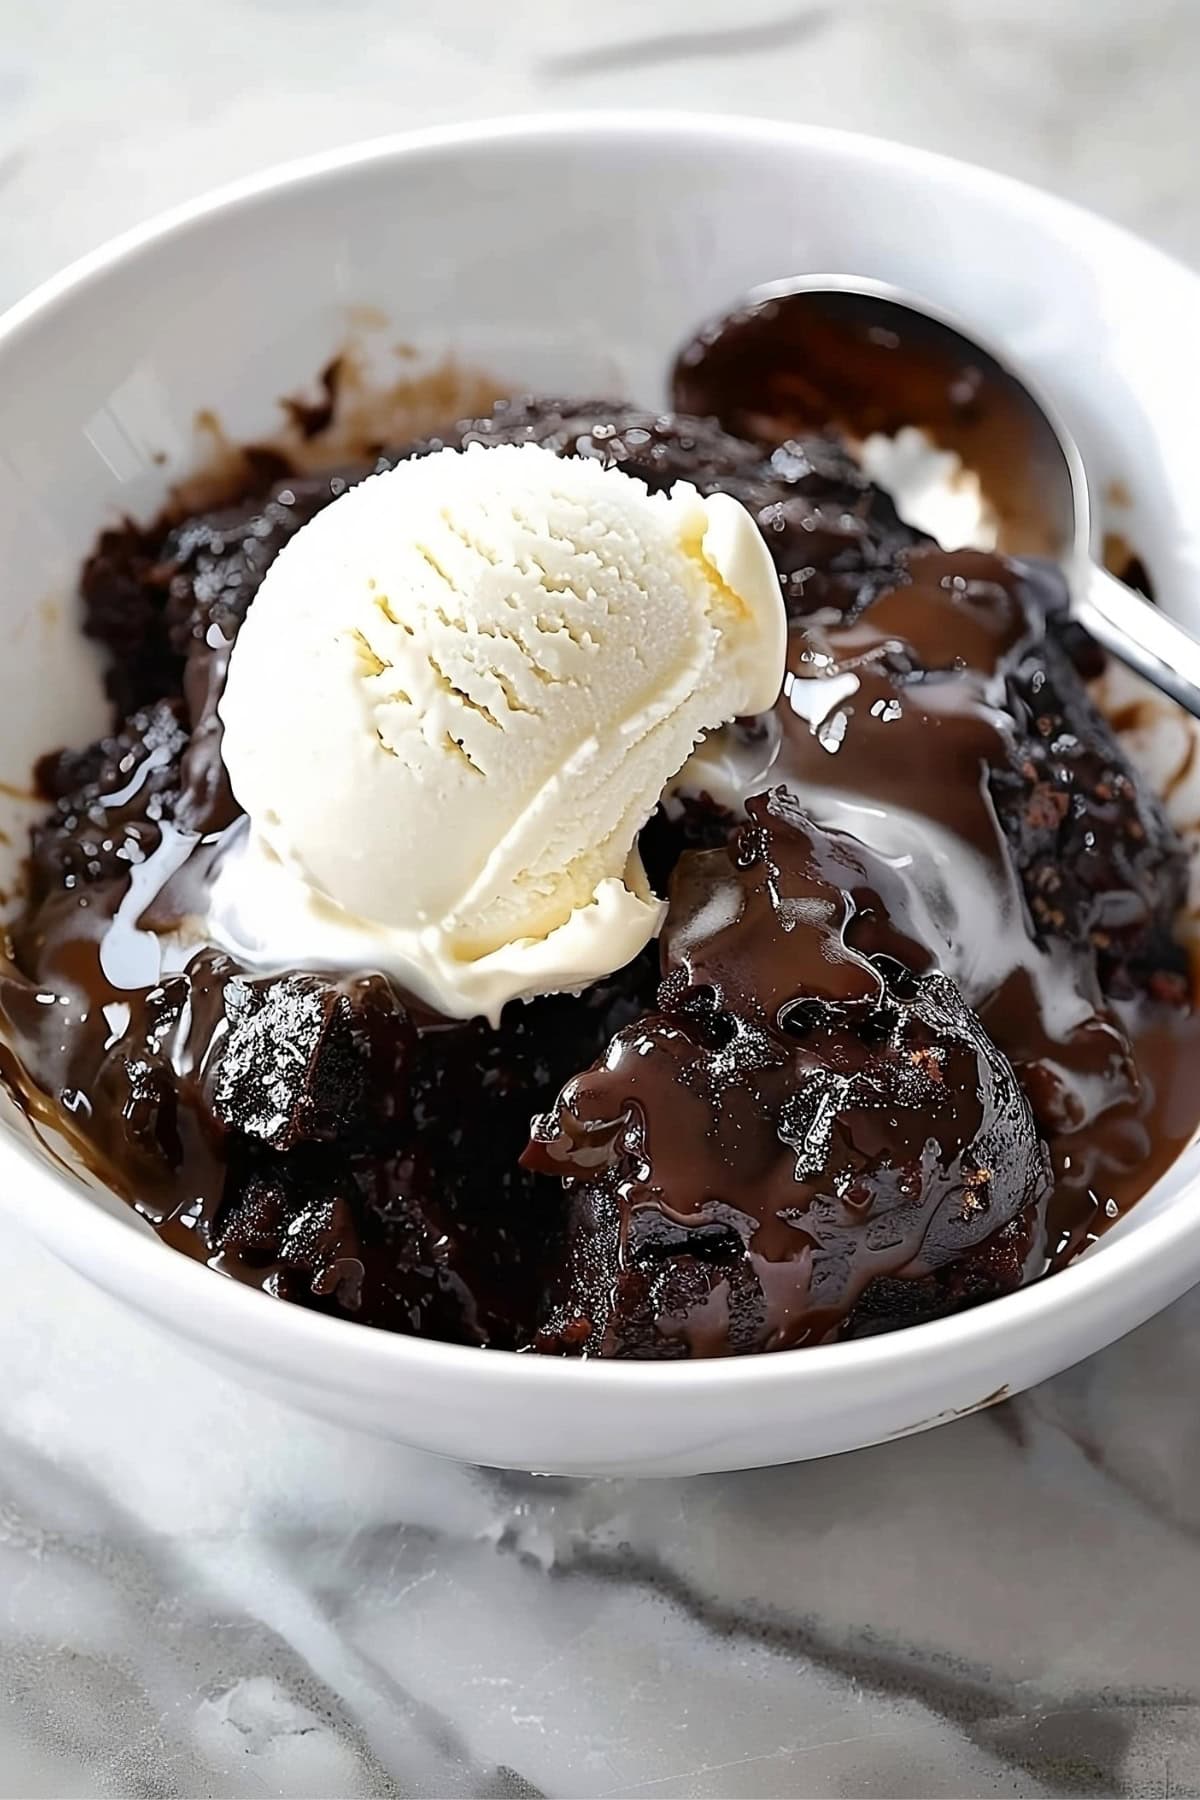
(231, 1309)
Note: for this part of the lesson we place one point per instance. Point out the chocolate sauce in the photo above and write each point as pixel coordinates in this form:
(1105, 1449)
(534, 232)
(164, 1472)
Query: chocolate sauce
(901, 729)
(896, 727)
(813, 1101)
(915, 1031)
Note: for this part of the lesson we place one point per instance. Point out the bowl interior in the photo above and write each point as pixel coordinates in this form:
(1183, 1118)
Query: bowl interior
(568, 256)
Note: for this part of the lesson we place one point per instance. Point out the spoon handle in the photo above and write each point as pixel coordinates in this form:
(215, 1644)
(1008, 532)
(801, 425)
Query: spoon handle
(1133, 630)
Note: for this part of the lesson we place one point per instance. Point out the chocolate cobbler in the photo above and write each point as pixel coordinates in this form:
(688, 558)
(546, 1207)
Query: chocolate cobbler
(911, 1035)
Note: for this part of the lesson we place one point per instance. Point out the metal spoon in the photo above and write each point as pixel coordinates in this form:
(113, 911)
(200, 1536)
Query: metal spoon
(871, 357)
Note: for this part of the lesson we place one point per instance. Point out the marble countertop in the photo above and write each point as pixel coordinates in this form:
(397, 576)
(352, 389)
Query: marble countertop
(204, 1594)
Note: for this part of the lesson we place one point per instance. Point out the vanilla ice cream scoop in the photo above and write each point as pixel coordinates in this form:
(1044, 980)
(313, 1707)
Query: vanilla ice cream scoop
(455, 700)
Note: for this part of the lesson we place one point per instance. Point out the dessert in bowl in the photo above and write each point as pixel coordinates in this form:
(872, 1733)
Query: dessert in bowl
(869, 1010)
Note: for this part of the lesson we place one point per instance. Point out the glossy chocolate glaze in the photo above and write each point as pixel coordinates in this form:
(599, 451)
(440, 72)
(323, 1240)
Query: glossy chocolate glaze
(901, 728)
(913, 1032)
(812, 1107)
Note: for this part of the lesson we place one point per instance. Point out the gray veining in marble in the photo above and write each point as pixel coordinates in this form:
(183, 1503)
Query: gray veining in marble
(202, 1594)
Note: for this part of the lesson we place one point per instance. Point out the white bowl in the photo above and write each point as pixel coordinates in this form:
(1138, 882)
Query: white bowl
(575, 252)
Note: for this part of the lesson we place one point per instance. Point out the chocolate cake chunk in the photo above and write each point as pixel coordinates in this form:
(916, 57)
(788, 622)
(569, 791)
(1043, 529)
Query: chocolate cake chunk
(150, 592)
(988, 1271)
(110, 801)
(812, 1107)
(452, 1237)
(214, 563)
(304, 1244)
(1099, 863)
(302, 1058)
(123, 588)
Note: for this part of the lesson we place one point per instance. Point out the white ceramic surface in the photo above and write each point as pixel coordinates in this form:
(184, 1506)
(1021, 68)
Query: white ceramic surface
(553, 251)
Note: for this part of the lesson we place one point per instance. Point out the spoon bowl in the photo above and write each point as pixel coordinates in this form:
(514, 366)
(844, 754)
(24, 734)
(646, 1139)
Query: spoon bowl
(866, 357)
